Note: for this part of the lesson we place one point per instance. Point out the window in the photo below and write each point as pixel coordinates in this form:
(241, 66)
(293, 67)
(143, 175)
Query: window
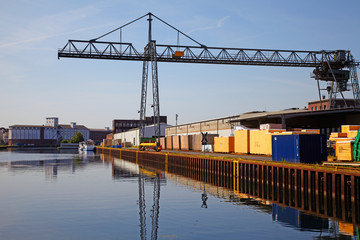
(315, 108)
(324, 107)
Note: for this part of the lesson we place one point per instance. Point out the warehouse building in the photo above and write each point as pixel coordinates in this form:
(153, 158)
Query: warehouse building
(97, 135)
(132, 136)
(326, 120)
(49, 134)
(32, 135)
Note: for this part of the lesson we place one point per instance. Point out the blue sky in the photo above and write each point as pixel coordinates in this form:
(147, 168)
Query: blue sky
(36, 85)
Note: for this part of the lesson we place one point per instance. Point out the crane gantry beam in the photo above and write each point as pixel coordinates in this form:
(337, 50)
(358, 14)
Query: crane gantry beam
(206, 55)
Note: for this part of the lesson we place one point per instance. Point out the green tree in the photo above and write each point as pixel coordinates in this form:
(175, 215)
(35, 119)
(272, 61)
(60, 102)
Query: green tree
(78, 137)
(64, 141)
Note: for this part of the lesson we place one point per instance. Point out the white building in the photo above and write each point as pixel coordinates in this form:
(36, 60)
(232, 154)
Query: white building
(52, 121)
(133, 135)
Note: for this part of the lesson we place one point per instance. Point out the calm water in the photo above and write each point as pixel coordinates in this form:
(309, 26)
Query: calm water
(53, 195)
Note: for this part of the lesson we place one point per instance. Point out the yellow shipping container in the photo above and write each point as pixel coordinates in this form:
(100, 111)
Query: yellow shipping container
(352, 134)
(224, 144)
(261, 141)
(347, 128)
(344, 150)
(242, 141)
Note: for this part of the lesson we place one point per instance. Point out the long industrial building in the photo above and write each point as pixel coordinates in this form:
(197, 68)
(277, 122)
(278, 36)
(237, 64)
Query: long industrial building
(326, 120)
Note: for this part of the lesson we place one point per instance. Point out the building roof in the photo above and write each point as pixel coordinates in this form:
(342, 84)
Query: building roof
(287, 113)
(100, 130)
(293, 113)
(34, 126)
(77, 126)
(337, 100)
(251, 115)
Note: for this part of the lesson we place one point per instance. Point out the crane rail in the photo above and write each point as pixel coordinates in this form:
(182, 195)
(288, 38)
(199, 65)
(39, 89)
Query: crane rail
(202, 54)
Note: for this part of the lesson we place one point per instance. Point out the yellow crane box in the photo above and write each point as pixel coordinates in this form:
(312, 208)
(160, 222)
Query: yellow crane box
(224, 144)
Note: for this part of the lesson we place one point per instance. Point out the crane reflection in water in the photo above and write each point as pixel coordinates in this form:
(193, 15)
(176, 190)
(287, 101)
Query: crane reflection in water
(124, 169)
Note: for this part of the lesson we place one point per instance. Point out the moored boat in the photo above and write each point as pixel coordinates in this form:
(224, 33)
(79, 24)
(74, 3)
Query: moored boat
(87, 145)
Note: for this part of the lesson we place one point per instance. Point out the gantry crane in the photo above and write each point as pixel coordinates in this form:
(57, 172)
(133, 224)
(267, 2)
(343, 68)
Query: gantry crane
(335, 67)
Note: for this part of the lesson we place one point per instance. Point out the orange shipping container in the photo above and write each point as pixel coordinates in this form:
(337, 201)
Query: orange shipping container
(224, 144)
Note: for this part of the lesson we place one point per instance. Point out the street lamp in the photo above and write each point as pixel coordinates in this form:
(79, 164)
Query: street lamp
(176, 118)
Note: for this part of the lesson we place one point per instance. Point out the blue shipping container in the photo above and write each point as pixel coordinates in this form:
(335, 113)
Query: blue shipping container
(302, 148)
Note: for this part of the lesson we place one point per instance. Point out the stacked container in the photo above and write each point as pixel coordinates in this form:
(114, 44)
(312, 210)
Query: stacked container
(344, 142)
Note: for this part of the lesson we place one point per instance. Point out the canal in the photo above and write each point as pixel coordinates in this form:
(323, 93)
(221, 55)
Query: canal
(48, 194)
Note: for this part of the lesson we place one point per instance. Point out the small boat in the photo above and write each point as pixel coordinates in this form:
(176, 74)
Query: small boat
(87, 145)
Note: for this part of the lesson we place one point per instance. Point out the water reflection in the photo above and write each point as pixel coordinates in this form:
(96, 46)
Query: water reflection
(295, 218)
(52, 162)
(221, 187)
(125, 170)
(110, 198)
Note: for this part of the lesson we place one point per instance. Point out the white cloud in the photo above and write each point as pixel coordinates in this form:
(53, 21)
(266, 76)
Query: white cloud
(49, 26)
(213, 25)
